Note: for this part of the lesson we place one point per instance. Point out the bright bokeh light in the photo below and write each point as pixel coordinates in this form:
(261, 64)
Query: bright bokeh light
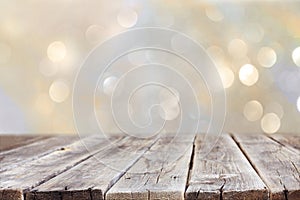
(270, 123)
(109, 84)
(227, 76)
(266, 57)
(237, 48)
(256, 55)
(296, 56)
(248, 75)
(127, 18)
(59, 91)
(56, 51)
(253, 110)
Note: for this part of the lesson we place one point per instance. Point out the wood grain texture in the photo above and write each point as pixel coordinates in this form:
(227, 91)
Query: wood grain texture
(11, 194)
(8, 142)
(291, 141)
(224, 173)
(277, 165)
(15, 157)
(93, 177)
(160, 174)
(36, 172)
(238, 167)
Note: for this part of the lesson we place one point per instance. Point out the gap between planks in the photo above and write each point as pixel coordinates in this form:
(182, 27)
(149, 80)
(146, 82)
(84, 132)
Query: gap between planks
(252, 164)
(277, 165)
(224, 173)
(24, 180)
(161, 173)
(106, 179)
(190, 166)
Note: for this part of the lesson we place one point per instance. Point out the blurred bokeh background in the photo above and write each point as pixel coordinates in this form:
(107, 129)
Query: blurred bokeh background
(255, 44)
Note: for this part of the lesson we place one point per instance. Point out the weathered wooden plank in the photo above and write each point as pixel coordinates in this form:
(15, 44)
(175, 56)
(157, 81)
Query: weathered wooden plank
(277, 165)
(8, 142)
(11, 194)
(224, 173)
(291, 141)
(15, 157)
(160, 174)
(35, 172)
(93, 177)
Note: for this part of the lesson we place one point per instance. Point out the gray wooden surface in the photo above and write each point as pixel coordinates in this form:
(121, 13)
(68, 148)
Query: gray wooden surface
(291, 141)
(277, 165)
(15, 157)
(161, 173)
(224, 173)
(13, 141)
(238, 167)
(96, 174)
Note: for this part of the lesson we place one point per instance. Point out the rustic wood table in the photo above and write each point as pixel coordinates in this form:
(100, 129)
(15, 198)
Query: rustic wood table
(61, 167)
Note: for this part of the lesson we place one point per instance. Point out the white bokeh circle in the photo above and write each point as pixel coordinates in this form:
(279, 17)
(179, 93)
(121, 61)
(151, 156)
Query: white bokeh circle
(103, 56)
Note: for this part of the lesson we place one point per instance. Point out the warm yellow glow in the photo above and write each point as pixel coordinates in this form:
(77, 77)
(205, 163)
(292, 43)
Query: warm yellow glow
(56, 51)
(94, 34)
(214, 14)
(5, 53)
(237, 48)
(44, 104)
(127, 18)
(275, 108)
(47, 68)
(253, 110)
(216, 53)
(254, 32)
(296, 56)
(169, 102)
(266, 57)
(270, 123)
(59, 91)
(227, 76)
(248, 75)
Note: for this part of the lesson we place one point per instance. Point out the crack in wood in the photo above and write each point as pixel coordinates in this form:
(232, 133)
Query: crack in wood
(191, 164)
(285, 191)
(258, 159)
(56, 174)
(90, 193)
(148, 195)
(295, 168)
(221, 189)
(283, 145)
(157, 179)
(116, 179)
